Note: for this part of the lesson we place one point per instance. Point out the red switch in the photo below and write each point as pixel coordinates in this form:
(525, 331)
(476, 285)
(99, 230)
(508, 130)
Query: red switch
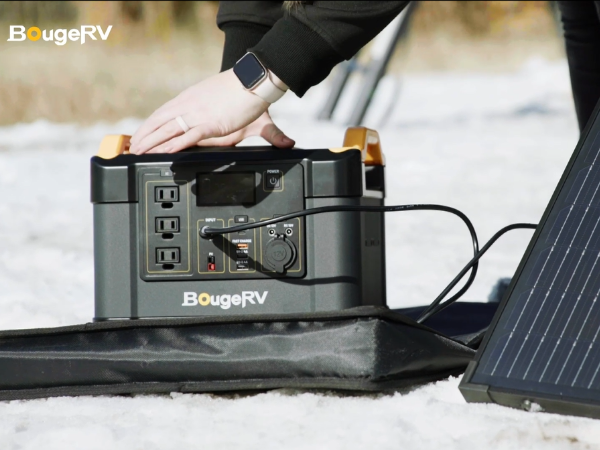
(211, 267)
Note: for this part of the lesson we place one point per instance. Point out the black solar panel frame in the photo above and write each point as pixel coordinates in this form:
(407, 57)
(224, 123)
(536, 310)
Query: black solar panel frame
(524, 399)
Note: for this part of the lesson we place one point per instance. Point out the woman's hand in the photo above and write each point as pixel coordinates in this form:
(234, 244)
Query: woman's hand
(218, 110)
(263, 127)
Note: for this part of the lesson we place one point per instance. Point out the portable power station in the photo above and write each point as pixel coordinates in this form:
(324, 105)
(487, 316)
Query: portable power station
(149, 210)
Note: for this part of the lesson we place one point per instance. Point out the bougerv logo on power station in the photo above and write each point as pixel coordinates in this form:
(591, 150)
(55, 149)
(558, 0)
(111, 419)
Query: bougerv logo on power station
(225, 301)
(60, 36)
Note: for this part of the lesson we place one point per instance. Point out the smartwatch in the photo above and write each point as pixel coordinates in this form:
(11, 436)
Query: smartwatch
(259, 80)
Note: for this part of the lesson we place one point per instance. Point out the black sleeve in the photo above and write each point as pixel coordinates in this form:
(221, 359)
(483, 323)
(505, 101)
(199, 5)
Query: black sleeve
(303, 45)
(244, 25)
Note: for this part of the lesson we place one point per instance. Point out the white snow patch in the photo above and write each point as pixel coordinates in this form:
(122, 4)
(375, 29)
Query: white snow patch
(429, 417)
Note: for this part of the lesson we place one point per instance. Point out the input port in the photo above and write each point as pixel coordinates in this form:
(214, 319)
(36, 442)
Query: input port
(271, 232)
(212, 266)
(289, 231)
(167, 255)
(166, 194)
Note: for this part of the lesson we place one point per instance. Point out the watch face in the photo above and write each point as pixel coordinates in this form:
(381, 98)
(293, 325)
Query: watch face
(249, 70)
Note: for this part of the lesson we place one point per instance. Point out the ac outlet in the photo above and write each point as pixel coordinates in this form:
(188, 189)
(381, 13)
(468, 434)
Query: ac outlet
(168, 255)
(167, 224)
(168, 194)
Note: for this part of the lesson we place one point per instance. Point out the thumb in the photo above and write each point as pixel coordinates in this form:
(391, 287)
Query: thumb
(274, 136)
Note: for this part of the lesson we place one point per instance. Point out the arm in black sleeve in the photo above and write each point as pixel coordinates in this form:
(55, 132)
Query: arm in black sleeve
(244, 25)
(304, 45)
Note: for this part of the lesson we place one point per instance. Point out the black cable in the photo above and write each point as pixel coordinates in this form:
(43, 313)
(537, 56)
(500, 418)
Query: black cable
(206, 231)
(436, 306)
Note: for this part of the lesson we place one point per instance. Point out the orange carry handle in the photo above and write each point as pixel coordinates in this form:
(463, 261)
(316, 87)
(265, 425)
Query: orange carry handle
(369, 143)
(365, 140)
(113, 145)
(356, 138)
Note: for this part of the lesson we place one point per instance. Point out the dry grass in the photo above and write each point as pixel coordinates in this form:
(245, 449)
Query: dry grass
(96, 81)
(142, 64)
(482, 36)
(146, 62)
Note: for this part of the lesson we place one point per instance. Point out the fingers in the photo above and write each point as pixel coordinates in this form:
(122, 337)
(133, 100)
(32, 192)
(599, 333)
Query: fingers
(274, 136)
(158, 118)
(263, 127)
(194, 135)
(225, 141)
(166, 132)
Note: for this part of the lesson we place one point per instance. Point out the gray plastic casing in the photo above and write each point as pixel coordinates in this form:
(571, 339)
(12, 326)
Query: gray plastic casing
(342, 253)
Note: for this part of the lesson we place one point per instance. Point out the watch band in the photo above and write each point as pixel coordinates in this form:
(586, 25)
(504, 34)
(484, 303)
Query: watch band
(259, 80)
(267, 90)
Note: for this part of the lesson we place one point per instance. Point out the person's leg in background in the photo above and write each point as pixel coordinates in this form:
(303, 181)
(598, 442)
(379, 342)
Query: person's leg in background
(581, 25)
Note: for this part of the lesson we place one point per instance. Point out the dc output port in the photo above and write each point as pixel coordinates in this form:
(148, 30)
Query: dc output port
(272, 232)
(280, 254)
(289, 231)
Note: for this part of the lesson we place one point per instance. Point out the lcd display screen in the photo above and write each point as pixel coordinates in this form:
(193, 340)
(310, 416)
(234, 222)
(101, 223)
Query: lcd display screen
(226, 188)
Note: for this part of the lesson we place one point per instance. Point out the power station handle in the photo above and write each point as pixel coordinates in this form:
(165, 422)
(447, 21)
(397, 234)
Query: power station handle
(365, 140)
(359, 138)
(113, 145)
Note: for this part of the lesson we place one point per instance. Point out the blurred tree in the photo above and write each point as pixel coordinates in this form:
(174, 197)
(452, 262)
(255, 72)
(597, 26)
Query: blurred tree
(132, 11)
(184, 12)
(483, 18)
(35, 13)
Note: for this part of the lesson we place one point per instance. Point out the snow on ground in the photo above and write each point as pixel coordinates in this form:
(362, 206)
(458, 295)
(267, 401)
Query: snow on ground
(493, 146)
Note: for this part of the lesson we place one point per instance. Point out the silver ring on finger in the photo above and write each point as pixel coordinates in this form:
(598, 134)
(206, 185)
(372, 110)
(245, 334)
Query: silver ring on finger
(184, 126)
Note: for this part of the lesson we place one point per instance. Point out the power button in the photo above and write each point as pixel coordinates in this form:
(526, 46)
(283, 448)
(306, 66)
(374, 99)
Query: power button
(273, 180)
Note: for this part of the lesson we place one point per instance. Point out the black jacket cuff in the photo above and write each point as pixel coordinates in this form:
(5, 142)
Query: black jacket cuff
(296, 54)
(239, 37)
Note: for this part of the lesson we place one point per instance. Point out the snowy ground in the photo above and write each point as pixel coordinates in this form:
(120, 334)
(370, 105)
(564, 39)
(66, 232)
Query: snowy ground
(493, 146)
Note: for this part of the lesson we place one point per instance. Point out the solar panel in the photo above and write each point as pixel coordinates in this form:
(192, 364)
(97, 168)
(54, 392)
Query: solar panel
(543, 346)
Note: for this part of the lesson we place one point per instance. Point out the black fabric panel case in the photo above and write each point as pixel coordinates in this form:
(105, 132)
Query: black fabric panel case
(359, 349)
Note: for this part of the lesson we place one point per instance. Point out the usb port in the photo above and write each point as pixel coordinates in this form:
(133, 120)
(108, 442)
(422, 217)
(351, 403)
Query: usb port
(242, 264)
(241, 252)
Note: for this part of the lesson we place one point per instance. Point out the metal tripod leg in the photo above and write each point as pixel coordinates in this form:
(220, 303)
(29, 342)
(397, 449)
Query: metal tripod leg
(381, 53)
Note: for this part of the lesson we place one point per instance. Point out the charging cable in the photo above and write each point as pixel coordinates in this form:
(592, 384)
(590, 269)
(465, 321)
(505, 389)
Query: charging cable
(438, 304)
(208, 232)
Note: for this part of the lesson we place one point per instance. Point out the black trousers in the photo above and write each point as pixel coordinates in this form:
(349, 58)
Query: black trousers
(581, 25)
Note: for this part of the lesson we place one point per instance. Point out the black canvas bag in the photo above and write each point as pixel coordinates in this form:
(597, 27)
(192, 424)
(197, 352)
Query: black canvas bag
(359, 349)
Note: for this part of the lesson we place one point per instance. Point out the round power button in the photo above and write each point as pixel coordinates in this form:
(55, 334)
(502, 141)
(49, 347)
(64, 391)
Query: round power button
(273, 180)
